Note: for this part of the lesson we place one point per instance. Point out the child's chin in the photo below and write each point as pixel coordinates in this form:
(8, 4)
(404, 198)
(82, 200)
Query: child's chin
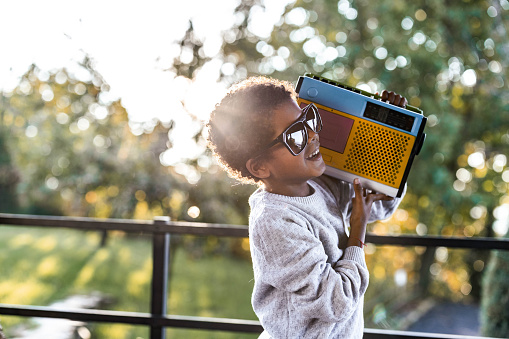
(322, 169)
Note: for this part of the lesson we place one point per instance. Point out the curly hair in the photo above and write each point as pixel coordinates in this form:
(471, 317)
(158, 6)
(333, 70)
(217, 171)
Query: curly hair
(241, 124)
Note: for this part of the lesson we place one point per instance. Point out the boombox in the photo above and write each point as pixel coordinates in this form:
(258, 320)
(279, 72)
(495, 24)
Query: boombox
(362, 136)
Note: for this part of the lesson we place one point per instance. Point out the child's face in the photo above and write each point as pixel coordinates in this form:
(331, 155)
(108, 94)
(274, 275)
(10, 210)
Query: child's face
(289, 172)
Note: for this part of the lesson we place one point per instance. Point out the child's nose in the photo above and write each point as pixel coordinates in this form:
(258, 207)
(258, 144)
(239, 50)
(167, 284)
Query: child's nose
(312, 135)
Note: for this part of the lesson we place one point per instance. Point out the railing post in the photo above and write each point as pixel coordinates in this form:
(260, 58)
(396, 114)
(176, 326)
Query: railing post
(160, 257)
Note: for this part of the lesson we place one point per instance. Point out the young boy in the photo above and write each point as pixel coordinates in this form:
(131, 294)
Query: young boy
(310, 275)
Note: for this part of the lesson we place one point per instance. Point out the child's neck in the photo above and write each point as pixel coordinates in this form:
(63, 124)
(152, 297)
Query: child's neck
(298, 190)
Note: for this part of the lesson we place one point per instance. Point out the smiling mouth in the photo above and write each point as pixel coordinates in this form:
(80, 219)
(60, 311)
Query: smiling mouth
(313, 155)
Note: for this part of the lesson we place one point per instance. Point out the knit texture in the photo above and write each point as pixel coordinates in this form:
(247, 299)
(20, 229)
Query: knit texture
(308, 284)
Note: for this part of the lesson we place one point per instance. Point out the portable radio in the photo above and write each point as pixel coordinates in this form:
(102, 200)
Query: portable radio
(362, 136)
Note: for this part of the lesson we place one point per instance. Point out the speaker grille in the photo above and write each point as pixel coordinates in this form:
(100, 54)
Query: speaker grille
(377, 152)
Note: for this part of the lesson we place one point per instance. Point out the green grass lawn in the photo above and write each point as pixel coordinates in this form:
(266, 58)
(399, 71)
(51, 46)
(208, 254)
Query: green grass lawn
(39, 266)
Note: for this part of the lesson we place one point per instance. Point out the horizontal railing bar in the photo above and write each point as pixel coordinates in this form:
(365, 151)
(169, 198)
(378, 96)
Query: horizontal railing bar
(176, 321)
(225, 230)
(133, 318)
(126, 225)
(437, 241)
(370, 333)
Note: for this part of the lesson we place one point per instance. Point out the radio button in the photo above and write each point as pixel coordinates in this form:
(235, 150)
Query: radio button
(312, 92)
(326, 158)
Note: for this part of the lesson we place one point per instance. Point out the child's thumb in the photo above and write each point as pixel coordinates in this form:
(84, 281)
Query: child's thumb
(357, 187)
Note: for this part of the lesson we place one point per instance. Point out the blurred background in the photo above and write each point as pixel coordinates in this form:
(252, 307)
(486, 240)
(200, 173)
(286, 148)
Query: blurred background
(102, 108)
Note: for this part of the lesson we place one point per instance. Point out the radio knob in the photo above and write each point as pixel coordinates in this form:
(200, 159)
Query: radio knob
(312, 92)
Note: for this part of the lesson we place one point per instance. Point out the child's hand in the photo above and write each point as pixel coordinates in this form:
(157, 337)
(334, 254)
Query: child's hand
(394, 98)
(361, 209)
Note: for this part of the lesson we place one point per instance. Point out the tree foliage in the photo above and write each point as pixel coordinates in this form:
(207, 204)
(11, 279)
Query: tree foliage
(495, 310)
(75, 152)
(9, 177)
(74, 148)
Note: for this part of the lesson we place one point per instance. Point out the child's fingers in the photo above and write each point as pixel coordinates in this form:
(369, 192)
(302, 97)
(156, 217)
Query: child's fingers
(403, 102)
(379, 196)
(363, 192)
(394, 98)
(399, 100)
(389, 96)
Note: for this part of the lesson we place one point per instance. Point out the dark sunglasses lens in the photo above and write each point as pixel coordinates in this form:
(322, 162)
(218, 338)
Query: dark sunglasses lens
(313, 119)
(296, 138)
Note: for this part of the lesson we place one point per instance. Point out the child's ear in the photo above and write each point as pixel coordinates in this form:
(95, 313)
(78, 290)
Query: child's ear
(257, 168)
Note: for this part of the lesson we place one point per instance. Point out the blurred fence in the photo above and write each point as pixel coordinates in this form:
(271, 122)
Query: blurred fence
(161, 230)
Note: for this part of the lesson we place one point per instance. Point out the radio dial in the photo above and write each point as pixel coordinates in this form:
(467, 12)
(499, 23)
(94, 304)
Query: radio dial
(312, 92)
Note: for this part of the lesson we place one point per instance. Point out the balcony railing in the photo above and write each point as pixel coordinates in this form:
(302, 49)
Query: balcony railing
(161, 230)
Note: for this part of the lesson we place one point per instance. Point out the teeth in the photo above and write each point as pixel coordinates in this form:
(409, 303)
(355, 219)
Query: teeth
(314, 154)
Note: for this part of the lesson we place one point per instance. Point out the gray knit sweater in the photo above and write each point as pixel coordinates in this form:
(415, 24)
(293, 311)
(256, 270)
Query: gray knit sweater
(308, 284)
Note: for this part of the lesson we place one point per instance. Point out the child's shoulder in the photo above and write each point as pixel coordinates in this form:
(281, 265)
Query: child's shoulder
(270, 203)
(271, 207)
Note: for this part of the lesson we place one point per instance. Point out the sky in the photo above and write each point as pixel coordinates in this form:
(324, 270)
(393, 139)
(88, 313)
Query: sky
(132, 46)
(131, 43)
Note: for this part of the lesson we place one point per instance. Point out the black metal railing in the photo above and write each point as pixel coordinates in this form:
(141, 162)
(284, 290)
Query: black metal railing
(161, 231)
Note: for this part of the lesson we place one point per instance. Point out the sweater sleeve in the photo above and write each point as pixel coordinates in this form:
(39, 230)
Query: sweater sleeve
(290, 258)
(381, 210)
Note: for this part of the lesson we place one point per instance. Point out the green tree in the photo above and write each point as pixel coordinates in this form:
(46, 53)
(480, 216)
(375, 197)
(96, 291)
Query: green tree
(76, 150)
(78, 154)
(9, 178)
(495, 302)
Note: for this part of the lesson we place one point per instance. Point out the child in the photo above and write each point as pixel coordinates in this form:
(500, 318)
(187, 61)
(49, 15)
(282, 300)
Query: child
(310, 276)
